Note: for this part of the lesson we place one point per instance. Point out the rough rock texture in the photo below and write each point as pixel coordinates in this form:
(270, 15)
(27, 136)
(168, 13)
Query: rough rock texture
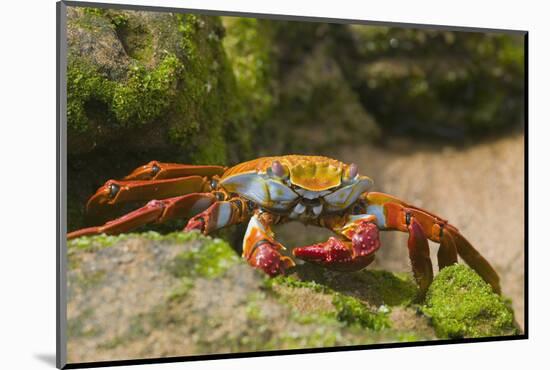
(142, 296)
(147, 80)
(435, 83)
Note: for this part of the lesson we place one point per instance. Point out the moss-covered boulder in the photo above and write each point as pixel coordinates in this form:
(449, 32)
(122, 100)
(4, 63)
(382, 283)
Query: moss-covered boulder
(462, 305)
(170, 87)
(148, 295)
(435, 83)
(144, 80)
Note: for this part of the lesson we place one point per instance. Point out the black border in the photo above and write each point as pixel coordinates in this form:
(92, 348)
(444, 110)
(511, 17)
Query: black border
(61, 177)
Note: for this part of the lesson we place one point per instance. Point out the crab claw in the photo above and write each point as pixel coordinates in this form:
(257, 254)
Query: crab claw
(343, 255)
(267, 258)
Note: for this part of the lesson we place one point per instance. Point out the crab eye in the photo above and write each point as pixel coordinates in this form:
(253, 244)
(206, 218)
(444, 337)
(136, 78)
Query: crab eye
(113, 190)
(155, 169)
(278, 169)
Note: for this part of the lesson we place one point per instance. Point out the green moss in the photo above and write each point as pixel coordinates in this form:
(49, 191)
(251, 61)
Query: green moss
(390, 288)
(96, 242)
(462, 305)
(377, 287)
(146, 94)
(347, 309)
(248, 43)
(352, 311)
(117, 18)
(292, 282)
(137, 101)
(177, 81)
(207, 98)
(84, 85)
(209, 260)
(94, 11)
(345, 321)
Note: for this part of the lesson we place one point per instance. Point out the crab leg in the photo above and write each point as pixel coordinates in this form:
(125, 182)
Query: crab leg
(115, 192)
(352, 253)
(155, 170)
(394, 214)
(219, 215)
(156, 211)
(419, 254)
(260, 248)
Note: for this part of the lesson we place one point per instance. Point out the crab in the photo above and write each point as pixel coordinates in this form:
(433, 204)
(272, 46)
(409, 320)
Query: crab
(267, 191)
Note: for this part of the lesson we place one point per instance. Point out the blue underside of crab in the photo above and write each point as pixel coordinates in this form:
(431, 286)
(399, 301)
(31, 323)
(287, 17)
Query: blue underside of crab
(280, 195)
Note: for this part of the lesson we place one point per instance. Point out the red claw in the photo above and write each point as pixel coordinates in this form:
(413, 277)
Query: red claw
(268, 259)
(365, 239)
(344, 255)
(331, 251)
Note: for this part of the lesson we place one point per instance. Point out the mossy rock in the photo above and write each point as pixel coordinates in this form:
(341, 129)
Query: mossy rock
(462, 305)
(151, 295)
(147, 80)
(435, 83)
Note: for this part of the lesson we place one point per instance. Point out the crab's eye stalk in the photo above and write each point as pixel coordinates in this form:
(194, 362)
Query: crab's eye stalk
(277, 169)
(155, 169)
(113, 190)
(353, 170)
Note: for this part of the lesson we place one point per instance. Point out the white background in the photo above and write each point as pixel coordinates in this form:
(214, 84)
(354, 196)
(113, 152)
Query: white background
(27, 196)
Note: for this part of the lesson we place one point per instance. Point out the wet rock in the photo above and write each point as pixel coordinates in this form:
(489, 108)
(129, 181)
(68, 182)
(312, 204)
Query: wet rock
(186, 294)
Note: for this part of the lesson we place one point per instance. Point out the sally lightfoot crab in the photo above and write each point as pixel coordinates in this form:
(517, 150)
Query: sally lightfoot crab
(272, 190)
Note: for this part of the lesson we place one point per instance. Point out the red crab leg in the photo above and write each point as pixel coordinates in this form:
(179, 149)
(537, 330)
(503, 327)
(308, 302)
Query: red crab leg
(394, 214)
(220, 215)
(157, 170)
(260, 248)
(353, 253)
(117, 192)
(156, 211)
(419, 254)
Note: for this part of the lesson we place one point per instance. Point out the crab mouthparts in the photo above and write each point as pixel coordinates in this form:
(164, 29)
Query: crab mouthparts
(307, 207)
